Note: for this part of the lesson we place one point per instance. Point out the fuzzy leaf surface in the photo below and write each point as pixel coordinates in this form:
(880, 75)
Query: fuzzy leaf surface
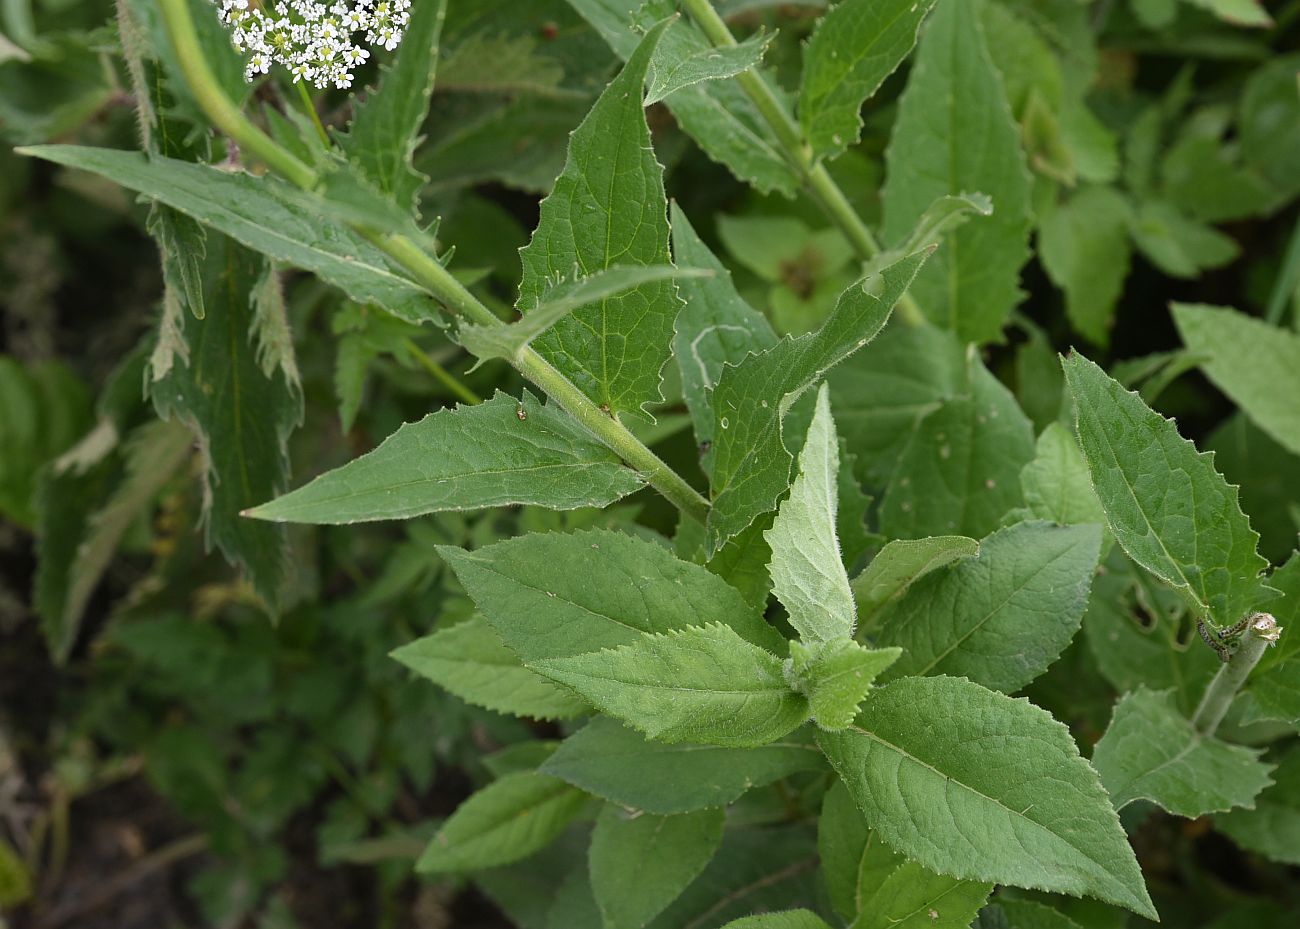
(1056, 484)
(1272, 828)
(855, 46)
(705, 64)
(619, 764)
(903, 561)
(1152, 752)
(1169, 509)
(836, 676)
(465, 458)
(1001, 617)
(700, 684)
(974, 784)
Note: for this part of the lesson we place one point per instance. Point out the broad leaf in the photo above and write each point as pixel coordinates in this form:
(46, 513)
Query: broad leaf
(671, 72)
(620, 765)
(875, 887)
(1056, 484)
(543, 608)
(716, 327)
(960, 471)
(971, 783)
(469, 660)
(608, 208)
(385, 127)
(902, 562)
(751, 465)
(263, 214)
(1084, 246)
(786, 919)
(1001, 617)
(807, 568)
(836, 676)
(1272, 828)
(506, 821)
(497, 453)
(1255, 364)
(701, 684)
(1167, 506)
(854, 48)
(1152, 752)
(954, 134)
(640, 863)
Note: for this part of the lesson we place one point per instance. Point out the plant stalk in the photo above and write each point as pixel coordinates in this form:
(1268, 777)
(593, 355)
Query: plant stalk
(309, 105)
(441, 374)
(425, 270)
(1261, 632)
(816, 178)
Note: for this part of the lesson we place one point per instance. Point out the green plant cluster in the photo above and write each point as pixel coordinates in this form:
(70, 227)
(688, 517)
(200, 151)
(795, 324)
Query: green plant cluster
(656, 463)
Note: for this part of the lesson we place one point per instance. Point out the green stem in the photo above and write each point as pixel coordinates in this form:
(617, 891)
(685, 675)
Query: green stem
(427, 272)
(441, 374)
(1288, 277)
(309, 105)
(1261, 632)
(818, 180)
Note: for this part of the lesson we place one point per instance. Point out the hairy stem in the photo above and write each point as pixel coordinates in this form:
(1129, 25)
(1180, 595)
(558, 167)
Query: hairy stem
(818, 180)
(425, 270)
(1261, 632)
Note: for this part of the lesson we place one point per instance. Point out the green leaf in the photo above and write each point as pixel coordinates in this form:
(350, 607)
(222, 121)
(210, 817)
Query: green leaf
(836, 676)
(554, 595)
(608, 208)
(786, 919)
(701, 684)
(960, 471)
(1237, 12)
(807, 569)
(640, 863)
(1255, 364)
(670, 73)
(470, 660)
(240, 397)
(1001, 617)
(559, 302)
(1177, 244)
(1277, 691)
(1084, 246)
(716, 327)
(875, 887)
(717, 114)
(751, 465)
(622, 766)
(1167, 506)
(386, 122)
(955, 134)
(977, 785)
(506, 821)
(1272, 828)
(1056, 484)
(1152, 752)
(855, 46)
(261, 213)
(902, 562)
(465, 458)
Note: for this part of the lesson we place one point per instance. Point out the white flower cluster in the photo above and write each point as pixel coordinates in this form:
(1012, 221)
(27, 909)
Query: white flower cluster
(317, 42)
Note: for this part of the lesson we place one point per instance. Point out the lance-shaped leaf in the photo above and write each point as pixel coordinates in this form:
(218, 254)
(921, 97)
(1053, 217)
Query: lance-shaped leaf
(385, 127)
(560, 301)
(498, 453)
(470, 660)
(1001, 617)
(1085, 249)
(261, 213)
(669, 74)
(506, 821)
(974, 784)
(700, 684)
(717, 114)
(640, 863)
(835, 676)
(1152, 752)
(608, 208)
(1167, 506)
(854, 48)
(955, 134)
(542, 607)
(808, 573)
(1272, 828)
(619, 764)
(1255, 364)
(903, 561)
(231, 377)
(875, 887)
(751, 465)
(716, 327)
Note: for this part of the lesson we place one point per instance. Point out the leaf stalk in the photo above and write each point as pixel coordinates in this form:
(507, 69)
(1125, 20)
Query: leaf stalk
(1261, 631)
